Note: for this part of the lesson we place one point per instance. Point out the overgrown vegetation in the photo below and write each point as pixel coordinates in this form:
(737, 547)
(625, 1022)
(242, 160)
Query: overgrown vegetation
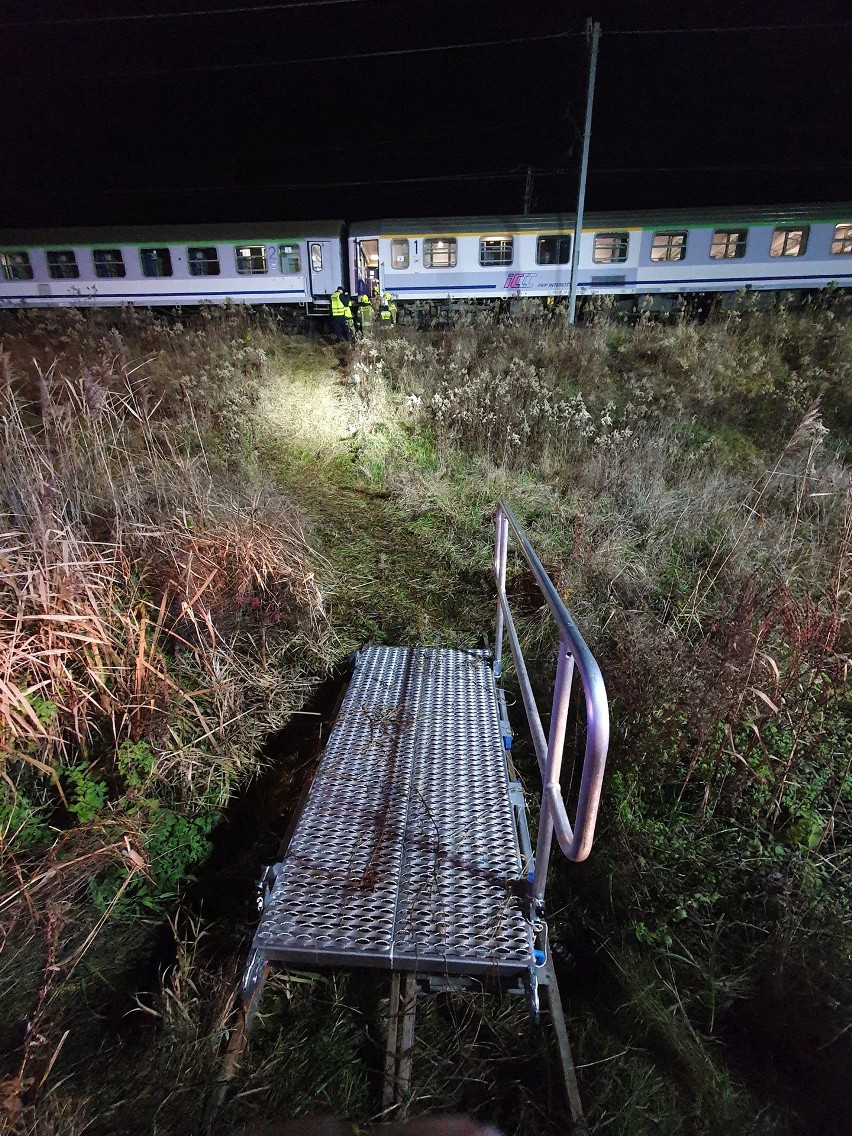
(160, 616)
(687, 485)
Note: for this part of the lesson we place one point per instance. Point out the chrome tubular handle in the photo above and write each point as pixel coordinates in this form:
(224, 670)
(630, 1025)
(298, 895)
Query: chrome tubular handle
(574, 840)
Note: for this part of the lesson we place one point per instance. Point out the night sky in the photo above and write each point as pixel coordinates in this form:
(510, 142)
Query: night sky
(227, 116)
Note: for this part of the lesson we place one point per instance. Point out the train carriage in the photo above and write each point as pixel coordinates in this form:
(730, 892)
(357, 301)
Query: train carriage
(649, 253)
(269, 263)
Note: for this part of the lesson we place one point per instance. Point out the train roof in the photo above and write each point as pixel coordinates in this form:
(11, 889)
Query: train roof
(509, 223)
(642, 218)
(173, 234)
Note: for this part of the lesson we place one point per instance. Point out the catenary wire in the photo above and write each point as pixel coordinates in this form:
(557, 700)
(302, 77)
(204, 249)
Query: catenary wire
(274, 186)
(64, 21)
(186, 13)
(733, 28)
(398, 52)
(266, 63)
(408, 139)
(484, 175)
(767, 168)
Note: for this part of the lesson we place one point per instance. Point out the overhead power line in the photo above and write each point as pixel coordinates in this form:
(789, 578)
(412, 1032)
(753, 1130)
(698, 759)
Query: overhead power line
(241, 9)
(721, 30)
(254, 65)
(68, 191)
(185, 13)
(40, 77)
(820, 166)
(483, 175)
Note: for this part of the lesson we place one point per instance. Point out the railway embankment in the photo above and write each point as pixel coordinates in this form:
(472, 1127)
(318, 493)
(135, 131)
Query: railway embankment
(203, 516)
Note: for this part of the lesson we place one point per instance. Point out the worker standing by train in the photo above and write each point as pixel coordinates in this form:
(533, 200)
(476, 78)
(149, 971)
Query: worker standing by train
(365, 311)
(339, 308)
(348, 305)
(387, 310)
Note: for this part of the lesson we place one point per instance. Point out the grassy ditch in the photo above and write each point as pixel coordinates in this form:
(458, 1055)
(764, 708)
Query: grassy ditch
(161, 615)
(201, 517)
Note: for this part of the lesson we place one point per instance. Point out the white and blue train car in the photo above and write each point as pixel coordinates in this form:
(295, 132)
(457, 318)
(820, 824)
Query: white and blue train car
(787, 249)
(274, 263)
(660, 253)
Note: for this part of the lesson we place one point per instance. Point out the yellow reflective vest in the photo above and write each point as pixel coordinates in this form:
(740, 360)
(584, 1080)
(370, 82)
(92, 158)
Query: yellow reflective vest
(338, 308)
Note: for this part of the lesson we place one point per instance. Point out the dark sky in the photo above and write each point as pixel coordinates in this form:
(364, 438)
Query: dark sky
(208, 117)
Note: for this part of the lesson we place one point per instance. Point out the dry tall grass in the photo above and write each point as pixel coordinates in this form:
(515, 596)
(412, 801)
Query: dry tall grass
(160, 615)
(123, 552)
(528, 392)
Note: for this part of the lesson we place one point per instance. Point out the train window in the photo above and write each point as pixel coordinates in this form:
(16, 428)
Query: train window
(789, 241)
(553, 250)
(62, 264)
(611, 248)
(399, 252)
(668, 246)
(16, 266)
(440, 252)
(251, 259)
(728, 244)
(316, 258)
(203, 261)
(496, 250)
(156, 262)
(842, 243)
(109, 263)
(290, 259)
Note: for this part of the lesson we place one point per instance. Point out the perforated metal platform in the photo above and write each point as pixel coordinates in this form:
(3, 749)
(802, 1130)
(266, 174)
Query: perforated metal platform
(406, 854)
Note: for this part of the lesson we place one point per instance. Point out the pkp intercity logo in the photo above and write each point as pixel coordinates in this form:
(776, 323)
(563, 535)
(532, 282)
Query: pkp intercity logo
(517, 280)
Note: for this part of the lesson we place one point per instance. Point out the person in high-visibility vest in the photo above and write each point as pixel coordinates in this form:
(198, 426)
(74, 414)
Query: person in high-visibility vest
(387, 309)
(339, 308)
(350, 316)
(365, 311)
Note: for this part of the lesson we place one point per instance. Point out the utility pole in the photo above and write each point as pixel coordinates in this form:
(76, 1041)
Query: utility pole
(528, 191)
(593, 32)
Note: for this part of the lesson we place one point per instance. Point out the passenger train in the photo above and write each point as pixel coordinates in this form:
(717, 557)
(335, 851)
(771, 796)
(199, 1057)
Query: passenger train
(650, 257)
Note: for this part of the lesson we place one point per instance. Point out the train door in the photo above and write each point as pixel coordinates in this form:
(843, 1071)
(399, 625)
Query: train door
(324, 260)
(368, 266)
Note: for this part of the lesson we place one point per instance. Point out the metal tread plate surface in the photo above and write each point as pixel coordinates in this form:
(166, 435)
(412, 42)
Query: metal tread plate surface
(405, 855)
